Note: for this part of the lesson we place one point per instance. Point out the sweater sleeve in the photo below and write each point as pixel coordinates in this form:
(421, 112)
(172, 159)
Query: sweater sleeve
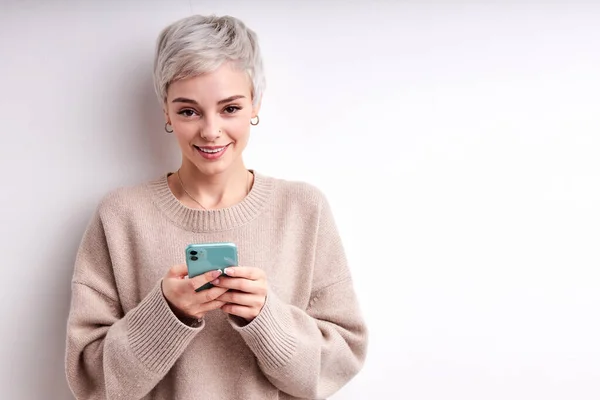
(312, 353)
(109, 353)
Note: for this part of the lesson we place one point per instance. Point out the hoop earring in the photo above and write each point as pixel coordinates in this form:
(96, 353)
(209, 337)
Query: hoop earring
(166, 130)
(257, 121)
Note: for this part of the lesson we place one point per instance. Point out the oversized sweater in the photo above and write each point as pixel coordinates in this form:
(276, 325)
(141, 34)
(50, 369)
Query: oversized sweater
(124, 342)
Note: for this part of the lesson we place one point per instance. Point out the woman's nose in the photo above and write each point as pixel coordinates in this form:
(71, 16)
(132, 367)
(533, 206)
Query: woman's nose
(210, 132)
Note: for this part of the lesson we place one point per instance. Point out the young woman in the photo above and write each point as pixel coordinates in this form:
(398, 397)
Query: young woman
(283, 324)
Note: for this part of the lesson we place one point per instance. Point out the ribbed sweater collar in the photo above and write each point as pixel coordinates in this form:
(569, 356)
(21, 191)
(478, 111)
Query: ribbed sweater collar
(197, 220)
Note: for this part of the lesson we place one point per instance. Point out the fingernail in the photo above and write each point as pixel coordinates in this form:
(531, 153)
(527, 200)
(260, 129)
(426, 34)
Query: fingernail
(217, 273)
(215, 282)
(229, 271)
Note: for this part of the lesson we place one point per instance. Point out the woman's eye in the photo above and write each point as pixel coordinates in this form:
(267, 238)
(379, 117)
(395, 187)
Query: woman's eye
(187, 112)
(231, 109)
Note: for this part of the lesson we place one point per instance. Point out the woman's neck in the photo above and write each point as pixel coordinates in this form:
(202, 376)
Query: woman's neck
(197, 190)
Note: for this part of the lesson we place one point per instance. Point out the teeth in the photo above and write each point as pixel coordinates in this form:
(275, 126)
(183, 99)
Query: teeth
(211, 151)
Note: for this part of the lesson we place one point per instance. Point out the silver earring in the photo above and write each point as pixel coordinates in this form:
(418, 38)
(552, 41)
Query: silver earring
(257, 121)
(167, 130)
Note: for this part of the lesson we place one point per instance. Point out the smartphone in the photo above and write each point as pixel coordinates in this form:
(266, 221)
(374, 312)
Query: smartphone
(204, 257)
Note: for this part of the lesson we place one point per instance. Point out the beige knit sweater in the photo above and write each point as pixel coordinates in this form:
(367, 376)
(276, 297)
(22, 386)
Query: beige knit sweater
(124, 342)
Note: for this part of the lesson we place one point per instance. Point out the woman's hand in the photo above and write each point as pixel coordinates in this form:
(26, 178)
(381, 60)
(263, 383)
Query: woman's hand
(182, 296)
(247, 291)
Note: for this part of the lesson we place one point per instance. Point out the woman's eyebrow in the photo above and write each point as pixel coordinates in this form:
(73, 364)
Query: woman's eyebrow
(231, 98)
(184, 100)
(191, 101)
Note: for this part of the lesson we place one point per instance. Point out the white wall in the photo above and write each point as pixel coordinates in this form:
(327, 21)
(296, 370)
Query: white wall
(458, 143)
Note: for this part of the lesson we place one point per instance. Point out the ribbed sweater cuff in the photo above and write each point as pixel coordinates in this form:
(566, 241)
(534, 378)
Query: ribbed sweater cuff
(156, 336)
(270, 335)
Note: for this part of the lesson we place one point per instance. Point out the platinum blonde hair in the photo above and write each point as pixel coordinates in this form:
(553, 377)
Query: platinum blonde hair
(200, 44)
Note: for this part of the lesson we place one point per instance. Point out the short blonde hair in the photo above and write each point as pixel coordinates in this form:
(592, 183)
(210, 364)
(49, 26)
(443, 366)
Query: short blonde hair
(199, 44)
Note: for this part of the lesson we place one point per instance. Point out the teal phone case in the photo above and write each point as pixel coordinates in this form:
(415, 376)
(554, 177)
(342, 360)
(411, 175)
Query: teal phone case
(204, 257)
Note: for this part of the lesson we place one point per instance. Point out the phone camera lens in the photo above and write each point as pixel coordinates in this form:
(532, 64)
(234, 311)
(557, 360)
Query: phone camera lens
(193, 252)
(194, 258)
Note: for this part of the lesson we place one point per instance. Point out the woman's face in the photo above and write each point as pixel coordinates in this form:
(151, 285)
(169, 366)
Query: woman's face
(210, 115)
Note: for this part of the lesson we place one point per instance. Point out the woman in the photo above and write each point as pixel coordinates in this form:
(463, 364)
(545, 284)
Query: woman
(284, 324)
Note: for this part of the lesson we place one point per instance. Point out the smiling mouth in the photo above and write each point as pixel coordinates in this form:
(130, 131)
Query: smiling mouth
(211, 153)
(210, 149)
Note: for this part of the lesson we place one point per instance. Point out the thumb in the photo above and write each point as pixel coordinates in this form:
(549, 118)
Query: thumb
(177, 271)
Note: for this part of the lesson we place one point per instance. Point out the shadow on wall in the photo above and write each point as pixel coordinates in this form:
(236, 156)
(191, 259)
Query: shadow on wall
(147, 149)
(141, 150)
(155, 151)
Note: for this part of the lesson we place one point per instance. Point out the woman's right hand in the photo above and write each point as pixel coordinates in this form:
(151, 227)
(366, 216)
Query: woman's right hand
(181, 294)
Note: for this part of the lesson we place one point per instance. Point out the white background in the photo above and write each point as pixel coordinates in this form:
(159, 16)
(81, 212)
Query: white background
(458, 143)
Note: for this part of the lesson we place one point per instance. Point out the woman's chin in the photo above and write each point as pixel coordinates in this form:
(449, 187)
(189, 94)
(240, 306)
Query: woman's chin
(211, 168)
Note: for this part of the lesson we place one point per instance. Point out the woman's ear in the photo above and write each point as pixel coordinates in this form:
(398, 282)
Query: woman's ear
(256, 109)
(166, 114)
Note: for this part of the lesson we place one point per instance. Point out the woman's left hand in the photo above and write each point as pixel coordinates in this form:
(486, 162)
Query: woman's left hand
(247, 291)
